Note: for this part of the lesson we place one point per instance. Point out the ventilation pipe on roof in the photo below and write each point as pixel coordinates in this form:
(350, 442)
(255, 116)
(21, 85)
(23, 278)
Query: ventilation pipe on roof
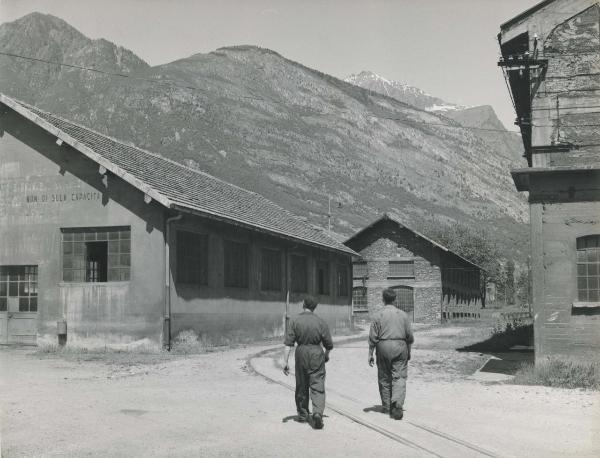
(167, 318)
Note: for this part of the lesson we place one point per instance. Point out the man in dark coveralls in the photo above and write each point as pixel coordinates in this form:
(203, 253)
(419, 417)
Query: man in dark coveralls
(309, 331)
(392, 335)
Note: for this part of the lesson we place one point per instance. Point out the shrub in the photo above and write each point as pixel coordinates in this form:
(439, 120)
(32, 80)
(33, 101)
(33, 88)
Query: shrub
(562, 373)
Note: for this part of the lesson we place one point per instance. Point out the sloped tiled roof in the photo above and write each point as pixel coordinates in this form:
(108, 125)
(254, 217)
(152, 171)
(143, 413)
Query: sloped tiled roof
(396, 220)
(177, 186)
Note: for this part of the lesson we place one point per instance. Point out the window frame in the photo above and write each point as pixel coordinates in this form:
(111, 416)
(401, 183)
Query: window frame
(293, 284)
(326, 291)
(392, 262)
(588, 258)
(366, 269)
(245, 277)
(342, 280)
(364, 296)
(202, 279)
(118, 247)
(28, 276)
(277, 266)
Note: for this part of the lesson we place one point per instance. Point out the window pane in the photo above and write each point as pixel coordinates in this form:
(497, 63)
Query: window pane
(67, 247)
(24, 304)
(323, 277)
(593, 295)
(591, 255)
(125, 246)
(581, 270)
(271, 270)
(342, 280)
(299, 274)
(192, 258)
(33, 304)
(125, 260)
(3, 288)
(592, 269)
(113, 247)
(78, 236)
(13, 289)
(3, 302)
(125, 235)
(236, 264)
(79, 248)
(113, 235)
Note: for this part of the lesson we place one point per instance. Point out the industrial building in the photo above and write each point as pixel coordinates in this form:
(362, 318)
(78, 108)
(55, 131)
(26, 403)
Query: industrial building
(551, 59)
(125, 245)
(431, 282)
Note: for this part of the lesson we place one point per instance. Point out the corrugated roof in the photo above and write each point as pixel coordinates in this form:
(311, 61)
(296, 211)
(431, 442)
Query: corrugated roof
(389, 217)
(177, 186)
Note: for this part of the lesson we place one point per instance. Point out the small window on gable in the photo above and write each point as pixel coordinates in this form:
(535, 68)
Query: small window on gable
(270, 278)
(322, 277)
(192, 258)
(236, 264)
(588, 268)
(401, 269)
(95, 255)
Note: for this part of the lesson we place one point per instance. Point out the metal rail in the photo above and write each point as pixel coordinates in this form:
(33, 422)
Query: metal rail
(385, 432)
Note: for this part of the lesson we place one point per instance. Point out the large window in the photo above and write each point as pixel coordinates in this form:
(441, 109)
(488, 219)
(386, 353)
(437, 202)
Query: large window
(360, 269)
(192, 258)
(588, 268)
(299, 271)
(19, 283)
(342, 280)
(401, 269)
(405, 299)
(359, 299)
(96, 254)
(270, 273)
(322, 277)
(236, 264)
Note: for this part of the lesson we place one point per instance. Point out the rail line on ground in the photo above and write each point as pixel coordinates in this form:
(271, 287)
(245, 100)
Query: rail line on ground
(374, 427)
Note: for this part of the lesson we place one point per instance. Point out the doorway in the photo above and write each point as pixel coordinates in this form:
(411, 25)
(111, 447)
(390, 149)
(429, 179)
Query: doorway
(18, 304)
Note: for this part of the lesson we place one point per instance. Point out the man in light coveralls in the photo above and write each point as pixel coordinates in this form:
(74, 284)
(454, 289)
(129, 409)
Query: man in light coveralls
(392, 335)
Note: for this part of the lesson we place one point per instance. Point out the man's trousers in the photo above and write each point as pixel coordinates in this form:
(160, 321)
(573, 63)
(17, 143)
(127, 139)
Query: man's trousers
(392, 370)
(310, 377)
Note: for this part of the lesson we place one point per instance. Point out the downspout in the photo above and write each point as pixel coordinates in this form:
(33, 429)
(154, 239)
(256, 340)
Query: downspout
(287, 292)
(167, 318)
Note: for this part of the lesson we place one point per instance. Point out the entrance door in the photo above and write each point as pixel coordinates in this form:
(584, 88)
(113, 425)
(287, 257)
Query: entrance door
(18, 304)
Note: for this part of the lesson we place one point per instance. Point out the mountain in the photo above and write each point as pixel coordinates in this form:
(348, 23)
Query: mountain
(483, 118)
(263, 122)
(400, 91)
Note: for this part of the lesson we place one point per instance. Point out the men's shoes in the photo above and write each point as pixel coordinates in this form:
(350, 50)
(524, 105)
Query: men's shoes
(301, 418)
(317, 421)
(396, 412)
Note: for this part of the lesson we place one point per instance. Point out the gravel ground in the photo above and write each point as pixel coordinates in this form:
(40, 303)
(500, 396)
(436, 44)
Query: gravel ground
(214, 405)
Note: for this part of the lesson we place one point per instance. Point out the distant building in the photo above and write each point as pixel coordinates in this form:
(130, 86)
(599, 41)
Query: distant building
(431, 282)
(126, 245)
(551, 58)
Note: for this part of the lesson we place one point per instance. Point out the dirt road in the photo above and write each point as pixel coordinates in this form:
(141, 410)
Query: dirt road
(215, 405)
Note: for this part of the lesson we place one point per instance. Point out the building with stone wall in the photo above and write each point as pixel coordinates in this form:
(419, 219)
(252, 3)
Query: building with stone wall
(551, 59)
(124, 245)
(430, 280)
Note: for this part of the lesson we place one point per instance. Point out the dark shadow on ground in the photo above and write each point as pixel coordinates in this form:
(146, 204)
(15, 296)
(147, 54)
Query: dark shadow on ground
(376, 408)
(510, 350)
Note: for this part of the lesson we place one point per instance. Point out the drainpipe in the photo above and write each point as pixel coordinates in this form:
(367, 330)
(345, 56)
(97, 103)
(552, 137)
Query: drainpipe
(287, 293)
(167, 318)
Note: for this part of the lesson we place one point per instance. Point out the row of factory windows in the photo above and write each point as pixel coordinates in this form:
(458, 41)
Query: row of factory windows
(396, 269)
(192, 267)
(104, 255)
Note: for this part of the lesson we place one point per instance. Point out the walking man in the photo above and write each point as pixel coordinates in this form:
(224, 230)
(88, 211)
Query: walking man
(310, 332)
(392, 335)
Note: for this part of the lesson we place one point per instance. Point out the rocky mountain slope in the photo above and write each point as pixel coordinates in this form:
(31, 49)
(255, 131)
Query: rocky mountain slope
(483, 118)
(263, 122)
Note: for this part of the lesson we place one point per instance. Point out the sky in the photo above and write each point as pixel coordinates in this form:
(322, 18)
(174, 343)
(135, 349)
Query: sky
(447, 48)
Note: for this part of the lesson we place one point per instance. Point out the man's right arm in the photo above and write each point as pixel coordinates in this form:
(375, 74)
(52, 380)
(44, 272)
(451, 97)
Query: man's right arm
(373, 340)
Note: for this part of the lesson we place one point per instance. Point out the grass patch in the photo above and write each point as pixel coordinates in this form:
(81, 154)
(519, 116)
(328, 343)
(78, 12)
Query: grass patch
(560, 373)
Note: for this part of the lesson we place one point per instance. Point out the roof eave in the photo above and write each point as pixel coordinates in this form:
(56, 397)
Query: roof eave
(346, 250)
(86, 151)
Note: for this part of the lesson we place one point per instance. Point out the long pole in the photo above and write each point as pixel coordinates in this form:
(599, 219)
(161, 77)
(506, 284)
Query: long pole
(329, 214)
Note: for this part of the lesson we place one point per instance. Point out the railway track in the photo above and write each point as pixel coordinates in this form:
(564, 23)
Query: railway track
(441, 440)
